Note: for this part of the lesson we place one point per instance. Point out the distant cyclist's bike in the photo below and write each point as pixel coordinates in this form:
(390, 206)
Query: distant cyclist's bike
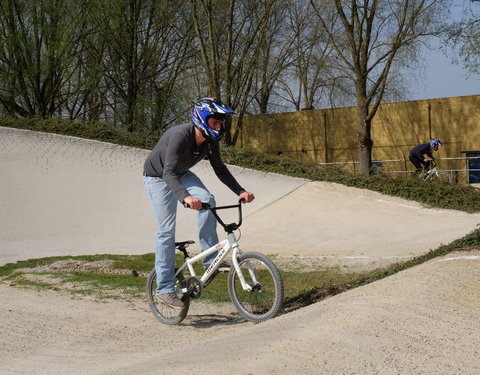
(433, 174)
(254, 283)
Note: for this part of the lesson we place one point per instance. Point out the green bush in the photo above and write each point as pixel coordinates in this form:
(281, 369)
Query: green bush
(98, 131)
(431, 193)
(434, 194)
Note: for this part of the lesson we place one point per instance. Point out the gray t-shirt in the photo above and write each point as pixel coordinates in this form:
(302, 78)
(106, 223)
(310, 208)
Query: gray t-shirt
(177, 151)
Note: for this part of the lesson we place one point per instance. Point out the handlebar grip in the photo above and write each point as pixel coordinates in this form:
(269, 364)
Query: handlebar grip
(205, 206)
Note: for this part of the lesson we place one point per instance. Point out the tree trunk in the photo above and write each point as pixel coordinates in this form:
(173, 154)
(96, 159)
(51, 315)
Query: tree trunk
(364, 139)
(228, 132)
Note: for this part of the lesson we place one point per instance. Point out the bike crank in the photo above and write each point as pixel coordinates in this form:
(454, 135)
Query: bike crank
(194, 287)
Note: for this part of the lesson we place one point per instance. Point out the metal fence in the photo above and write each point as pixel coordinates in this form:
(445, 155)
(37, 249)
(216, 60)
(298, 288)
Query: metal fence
(457, 175)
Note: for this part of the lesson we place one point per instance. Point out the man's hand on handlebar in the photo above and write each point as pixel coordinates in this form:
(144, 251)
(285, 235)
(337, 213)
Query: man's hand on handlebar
(196, 204)
(246, 197)
(193, 203)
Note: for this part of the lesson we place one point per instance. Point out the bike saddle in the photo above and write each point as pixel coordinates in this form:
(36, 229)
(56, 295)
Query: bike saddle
(183, 244)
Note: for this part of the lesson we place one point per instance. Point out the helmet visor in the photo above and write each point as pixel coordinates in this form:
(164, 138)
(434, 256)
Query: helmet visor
(218, 116)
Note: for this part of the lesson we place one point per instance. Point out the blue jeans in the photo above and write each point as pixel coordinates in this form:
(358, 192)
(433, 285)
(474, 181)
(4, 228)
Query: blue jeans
(164, 204)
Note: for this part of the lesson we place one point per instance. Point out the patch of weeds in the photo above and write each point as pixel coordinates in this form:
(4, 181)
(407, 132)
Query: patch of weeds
(106, 285)
(26, 280)
(431, 193)
(306, 289)
(301, 288)
(469, 242)
(142, 263)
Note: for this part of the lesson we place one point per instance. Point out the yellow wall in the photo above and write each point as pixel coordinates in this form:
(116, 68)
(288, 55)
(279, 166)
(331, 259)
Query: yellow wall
(329, 135)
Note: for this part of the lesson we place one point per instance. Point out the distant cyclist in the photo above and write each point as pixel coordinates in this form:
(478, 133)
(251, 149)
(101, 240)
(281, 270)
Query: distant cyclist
(421, 155)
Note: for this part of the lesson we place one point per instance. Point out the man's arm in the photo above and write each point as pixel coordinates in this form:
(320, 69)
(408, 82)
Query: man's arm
(226, 176)
(421, 150)
(222, 171)
(176, 146)
(429, 153)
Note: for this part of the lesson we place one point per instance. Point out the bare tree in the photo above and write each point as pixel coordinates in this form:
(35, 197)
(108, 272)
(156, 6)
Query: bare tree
(228, 43)
(274, 56)
(311, 77)
(145, 49)
(464, 37)
(85, 91)
(38, 42)
(368, 35)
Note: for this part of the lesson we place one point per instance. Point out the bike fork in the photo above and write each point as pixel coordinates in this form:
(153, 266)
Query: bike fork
(241, 277)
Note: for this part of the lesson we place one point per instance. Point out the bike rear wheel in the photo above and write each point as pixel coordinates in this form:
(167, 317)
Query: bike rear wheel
(265, 299)
(166, 314)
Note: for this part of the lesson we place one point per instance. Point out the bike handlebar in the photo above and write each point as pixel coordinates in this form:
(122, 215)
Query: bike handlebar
(228, 227)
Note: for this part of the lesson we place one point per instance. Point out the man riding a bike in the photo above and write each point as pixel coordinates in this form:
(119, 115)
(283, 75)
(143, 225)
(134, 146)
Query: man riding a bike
(421, 155)
(168, 180)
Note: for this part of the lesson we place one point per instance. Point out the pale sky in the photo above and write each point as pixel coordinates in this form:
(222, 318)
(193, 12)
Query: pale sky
(442, 77)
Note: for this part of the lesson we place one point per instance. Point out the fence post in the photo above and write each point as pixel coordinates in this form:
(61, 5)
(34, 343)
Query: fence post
(325, 135)
(405, 164)
(430, 120)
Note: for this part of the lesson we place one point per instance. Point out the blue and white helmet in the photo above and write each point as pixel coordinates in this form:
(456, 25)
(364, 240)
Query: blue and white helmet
(434, 143)
(202, 110)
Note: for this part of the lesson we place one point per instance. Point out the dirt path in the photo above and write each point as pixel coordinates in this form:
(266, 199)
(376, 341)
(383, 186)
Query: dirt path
(85, 197)
(424, 320)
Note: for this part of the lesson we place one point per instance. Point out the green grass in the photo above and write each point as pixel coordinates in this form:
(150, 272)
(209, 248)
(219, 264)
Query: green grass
(103, 284)
(100, 282)
(301, 288)
(431, 193)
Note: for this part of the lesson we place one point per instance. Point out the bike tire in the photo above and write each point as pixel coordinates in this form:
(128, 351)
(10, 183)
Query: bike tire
(165, 314)
(265, 300)
(438, 177)
(445, 178)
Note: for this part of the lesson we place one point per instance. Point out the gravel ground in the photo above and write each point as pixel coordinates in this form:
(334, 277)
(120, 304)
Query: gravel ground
(425, 320)
(66, 196)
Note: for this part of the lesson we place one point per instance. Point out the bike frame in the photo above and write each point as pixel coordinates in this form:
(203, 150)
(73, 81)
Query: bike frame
(433, 172)
(430, 172)
(251, 274)
(228, 245)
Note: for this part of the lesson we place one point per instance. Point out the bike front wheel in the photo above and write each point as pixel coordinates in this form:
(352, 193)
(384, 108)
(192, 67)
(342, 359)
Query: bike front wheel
(265, 299)
(166, 314)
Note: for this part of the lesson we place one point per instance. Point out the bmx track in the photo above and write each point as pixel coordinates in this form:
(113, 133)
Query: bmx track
(69, 196)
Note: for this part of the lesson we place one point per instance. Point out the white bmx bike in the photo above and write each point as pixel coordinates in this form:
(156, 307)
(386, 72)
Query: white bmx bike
(433, 174)
(254, 282)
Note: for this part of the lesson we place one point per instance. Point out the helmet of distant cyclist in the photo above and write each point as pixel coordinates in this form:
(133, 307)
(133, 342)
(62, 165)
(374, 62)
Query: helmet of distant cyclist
(434, 143)
(210, 107)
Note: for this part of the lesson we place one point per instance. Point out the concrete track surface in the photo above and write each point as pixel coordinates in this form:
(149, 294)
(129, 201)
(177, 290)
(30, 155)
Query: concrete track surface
(67, 196)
